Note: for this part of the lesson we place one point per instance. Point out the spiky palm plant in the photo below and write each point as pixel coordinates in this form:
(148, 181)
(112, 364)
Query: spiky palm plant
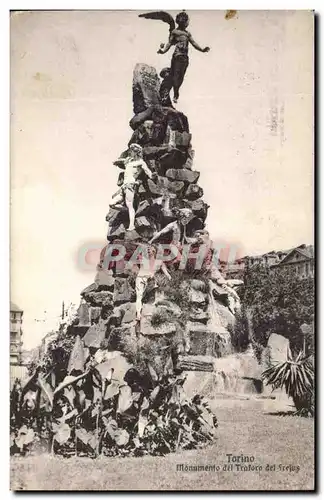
(297, 377)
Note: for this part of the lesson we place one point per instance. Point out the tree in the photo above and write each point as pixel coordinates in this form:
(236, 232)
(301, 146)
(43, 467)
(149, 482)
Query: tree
(278, 302)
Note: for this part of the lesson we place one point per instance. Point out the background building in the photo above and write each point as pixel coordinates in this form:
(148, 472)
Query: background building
(16, 333)
(300, 259)
(17, 368)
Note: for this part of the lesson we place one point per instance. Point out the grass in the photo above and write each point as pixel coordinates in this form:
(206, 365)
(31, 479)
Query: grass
(250, 427)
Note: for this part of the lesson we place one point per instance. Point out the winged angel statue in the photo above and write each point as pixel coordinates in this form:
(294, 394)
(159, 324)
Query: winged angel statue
(180, 37)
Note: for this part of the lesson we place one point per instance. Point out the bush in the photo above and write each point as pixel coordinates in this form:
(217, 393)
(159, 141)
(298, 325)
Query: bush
(297, 377)
(92, 414)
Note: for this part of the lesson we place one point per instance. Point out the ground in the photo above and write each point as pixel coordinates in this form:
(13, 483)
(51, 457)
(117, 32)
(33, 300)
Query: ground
(255, 428)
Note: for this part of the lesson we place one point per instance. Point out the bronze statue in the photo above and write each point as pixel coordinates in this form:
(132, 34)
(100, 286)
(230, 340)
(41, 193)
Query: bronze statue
(165, 87)
(180, 37)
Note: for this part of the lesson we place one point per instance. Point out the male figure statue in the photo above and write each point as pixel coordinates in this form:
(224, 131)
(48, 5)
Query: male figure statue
(148, 268)
(133, 164)
(177, 227)
(180, 37)
(228, 288)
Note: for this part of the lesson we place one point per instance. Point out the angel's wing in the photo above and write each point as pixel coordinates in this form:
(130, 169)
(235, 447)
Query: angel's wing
(162, 16)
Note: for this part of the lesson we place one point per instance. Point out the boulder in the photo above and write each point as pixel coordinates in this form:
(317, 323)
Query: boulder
(115, 318)
(84, 314)
(101, 298)
(77, 357)
(190, 158)
(142, 223)
(199, 208)
(89, 289)
(116, 232)
(204, 341)
(120, 180)
(199, 316)
(147, 233)
(183, 175)
(220, 315)
(198, 284)
(201, 340)
(94, 314)
(162, 303)
(114, 360)
(175, 158)
(132, 235)
(181, 139)
(155, 152)
(277, 348)
(193, 192)
(118, 335)
(194, 225)
(164, 186)
(116, 216)
(146, 327)
(122, 270)
(145, 207)
(177, 120)
(197, 297)
(126, 312)
(123, 292)
(167, 328)
(104, 279)
(141, 192)
(95, 335)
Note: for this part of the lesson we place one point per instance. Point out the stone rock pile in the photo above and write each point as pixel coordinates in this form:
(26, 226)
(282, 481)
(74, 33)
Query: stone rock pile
(172, 196)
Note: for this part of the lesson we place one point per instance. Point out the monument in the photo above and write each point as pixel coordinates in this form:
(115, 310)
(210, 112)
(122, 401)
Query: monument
(159, 208)
(151, 315)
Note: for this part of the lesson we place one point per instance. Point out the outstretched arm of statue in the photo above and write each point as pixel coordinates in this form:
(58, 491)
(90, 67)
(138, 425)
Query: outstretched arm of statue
(234, 282)
(172, 226)
(120, 162)
(164, 48)
(148, 172)
(197, 46)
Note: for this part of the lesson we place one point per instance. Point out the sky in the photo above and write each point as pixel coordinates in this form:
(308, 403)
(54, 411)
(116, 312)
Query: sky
(249, 102)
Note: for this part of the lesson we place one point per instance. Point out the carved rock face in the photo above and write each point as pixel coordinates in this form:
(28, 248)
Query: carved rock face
(146, 87)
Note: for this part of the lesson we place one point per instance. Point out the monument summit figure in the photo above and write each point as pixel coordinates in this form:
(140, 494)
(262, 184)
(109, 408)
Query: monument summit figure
(180, 37)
